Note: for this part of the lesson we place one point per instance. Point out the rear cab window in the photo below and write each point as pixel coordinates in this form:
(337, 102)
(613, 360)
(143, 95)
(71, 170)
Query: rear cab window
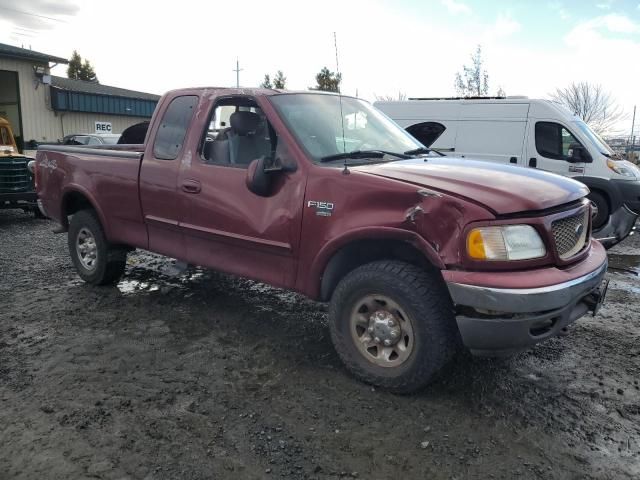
(553, 140)
(173, 127)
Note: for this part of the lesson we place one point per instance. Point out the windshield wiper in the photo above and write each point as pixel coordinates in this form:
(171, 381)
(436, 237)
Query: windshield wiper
(362, 154)
(419, 150)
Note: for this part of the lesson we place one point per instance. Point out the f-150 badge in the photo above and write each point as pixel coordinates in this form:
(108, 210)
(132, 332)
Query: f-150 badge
(323, 209)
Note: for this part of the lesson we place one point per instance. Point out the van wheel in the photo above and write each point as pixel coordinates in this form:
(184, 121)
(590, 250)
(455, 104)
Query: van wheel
(392, 325)
(96, 260)
(601, 206)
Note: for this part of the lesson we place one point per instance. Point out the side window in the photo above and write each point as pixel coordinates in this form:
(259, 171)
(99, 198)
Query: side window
(93, 141)
(553, 140)
(426, 133)
(173, 127)
(238, 134)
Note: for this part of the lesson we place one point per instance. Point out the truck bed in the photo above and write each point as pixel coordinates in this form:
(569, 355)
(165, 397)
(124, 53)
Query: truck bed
(106, 175)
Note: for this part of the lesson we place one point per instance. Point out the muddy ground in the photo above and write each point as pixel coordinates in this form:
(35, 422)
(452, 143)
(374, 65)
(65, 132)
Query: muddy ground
(192, 374)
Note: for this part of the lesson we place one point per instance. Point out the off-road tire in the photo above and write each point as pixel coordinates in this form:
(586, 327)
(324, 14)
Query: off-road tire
(111, 259)
(602, 217)
(424, 297)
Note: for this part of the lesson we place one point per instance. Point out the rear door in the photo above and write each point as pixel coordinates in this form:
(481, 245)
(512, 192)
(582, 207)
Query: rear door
(159, 193)
(549, 144)
(226, 226)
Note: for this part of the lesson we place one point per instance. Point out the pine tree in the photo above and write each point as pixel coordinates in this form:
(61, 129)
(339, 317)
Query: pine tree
(266, 83)
(328, 81)
(280, 81)
(81, 70)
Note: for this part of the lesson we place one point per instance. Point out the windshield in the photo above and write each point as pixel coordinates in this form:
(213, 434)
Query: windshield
(317, 125)
(597, 141)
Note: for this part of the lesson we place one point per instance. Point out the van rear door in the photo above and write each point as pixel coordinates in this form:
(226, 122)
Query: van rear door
(492, 131)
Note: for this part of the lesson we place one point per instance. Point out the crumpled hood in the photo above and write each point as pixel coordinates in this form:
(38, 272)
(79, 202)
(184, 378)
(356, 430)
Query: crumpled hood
(502, 188)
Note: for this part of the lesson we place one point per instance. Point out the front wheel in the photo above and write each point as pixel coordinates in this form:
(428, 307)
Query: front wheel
(96, 260)
(393, 325)
(600, 209)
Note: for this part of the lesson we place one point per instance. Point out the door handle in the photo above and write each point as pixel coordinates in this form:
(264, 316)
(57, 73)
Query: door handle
(191, 186)
(513, 160)
(533, 162)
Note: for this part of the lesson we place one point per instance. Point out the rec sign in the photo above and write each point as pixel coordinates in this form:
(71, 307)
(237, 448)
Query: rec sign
(103, 127)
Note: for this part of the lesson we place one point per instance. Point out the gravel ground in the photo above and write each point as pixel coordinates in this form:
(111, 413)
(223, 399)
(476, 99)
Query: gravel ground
(193, 374)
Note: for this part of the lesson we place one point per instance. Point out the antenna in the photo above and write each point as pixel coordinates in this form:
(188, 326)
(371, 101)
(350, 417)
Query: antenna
(344, 144)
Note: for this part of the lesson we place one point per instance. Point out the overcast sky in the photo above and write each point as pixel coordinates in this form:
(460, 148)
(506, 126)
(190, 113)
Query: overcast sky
(412, 46)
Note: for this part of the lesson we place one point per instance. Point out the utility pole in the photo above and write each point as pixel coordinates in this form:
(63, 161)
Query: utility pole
(633, 125)
(238, 70)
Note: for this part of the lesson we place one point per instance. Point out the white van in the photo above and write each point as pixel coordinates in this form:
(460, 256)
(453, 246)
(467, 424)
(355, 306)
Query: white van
(530, 133)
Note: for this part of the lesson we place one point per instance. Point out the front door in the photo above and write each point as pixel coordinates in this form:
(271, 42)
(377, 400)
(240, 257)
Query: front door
(549, 148)
(226, 226)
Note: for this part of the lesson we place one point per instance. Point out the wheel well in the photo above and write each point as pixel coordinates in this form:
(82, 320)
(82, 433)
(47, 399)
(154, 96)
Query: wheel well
(72, 203)
(360, 252)
(604, 194)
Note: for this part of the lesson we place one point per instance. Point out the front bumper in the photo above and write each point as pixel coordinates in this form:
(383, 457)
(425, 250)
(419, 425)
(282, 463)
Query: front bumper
(630, 192)
(498, 321)
(18, 200)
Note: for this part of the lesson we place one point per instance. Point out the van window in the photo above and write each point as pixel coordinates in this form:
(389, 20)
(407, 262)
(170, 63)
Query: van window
(426, 133)
(173, 128)
(553, 140)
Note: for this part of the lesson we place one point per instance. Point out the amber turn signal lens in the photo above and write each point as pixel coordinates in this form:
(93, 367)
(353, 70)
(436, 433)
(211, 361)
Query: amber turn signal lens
(475, 245)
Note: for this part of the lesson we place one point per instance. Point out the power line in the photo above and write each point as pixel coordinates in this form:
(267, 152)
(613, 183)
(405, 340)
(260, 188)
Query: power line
(33, 14)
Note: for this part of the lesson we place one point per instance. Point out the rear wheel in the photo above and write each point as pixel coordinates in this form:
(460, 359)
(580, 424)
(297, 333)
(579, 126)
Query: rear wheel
(601, 209)
(393, 325)
(96, 260)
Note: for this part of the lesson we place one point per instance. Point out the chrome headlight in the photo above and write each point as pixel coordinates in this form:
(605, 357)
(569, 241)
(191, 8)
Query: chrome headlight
(506, 242)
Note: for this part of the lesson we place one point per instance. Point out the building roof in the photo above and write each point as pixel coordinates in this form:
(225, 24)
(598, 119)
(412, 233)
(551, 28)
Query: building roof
(24, 54)
(95, 88)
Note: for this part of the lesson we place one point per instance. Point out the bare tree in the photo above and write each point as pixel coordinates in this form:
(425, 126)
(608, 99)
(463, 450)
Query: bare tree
(474, 80)
(390, 98)
(592, 104)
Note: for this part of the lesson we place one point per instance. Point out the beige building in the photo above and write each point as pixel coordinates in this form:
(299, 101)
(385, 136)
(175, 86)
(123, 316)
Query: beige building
(45, 108)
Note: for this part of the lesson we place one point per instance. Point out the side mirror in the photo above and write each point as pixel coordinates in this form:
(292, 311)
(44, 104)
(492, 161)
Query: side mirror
(258, 180)
(260, 174)
(578, 154)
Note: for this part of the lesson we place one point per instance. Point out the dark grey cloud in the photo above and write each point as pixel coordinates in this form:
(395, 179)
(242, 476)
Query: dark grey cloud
(37, 15)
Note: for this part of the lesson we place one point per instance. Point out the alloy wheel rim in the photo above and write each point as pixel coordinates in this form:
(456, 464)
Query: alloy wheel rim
(87, 249)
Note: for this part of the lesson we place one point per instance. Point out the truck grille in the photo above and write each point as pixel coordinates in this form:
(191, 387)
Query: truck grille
(570, 234)
(14, 175)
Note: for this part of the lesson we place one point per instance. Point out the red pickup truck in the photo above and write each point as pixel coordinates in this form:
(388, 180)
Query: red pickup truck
(416, 253)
